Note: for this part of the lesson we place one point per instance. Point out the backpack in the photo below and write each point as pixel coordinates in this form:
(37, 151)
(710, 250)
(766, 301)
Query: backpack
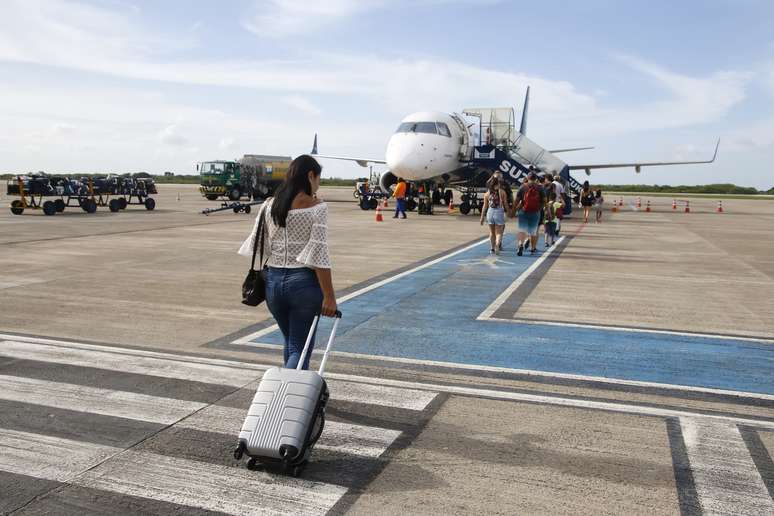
(531, 199)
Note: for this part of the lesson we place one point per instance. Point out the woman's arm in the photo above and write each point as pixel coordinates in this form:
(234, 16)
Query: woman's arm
(486, 207)
(328, 308)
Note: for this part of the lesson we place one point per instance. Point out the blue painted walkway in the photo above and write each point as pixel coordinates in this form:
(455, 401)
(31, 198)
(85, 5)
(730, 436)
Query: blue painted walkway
(431, 315)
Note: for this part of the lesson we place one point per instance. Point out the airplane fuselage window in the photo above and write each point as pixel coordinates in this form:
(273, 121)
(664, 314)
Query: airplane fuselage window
(420, 127)
(443, 129)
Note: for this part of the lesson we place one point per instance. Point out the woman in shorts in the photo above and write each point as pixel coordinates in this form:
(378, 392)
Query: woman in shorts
(493, 211)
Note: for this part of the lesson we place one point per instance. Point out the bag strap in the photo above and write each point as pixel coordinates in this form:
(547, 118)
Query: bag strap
(258, 234)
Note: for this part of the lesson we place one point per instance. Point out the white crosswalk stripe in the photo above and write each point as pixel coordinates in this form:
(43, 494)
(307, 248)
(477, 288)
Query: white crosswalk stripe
(219, 485)
(95, 400)
(366, 441)
(213, 371)
(47, 457)
(210, 486)
(727, 480)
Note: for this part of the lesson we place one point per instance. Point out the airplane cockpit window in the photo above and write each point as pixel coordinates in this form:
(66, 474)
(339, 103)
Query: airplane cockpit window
(443, 129)
(421, 127)
(426, 127)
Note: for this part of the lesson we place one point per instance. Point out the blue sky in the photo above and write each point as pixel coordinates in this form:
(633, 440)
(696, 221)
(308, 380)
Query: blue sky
(127, 86)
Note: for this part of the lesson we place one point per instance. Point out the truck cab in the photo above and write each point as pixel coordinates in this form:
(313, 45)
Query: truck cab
(220, 178)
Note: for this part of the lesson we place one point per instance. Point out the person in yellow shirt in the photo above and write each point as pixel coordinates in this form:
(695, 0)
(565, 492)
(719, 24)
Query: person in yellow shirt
(400, 199)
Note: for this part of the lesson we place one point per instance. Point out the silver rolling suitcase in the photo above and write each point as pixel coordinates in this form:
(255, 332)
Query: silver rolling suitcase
(287, 415)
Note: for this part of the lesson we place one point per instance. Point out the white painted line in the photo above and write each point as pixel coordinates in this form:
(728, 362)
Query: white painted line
(46, 457)
(138, 364)
(631, 329)
(94, 400)
(210, 486)
(502, 298)
(726, 478)
(364, 441)
(371, 394)
(246, 339)
(134, 352)
(559, 401)
(537, 374)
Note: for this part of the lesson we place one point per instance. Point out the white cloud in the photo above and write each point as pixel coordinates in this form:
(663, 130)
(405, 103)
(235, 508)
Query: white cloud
(226, 143)
(280, 18)
(302, 104)
(171, 136)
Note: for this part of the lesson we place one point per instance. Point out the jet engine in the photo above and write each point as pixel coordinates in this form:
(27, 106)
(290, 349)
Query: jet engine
(387, 180)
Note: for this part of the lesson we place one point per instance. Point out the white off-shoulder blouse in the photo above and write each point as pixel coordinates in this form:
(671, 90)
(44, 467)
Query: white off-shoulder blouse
(303, 242)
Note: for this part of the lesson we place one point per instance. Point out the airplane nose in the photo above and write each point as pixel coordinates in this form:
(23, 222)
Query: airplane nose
(401, 158)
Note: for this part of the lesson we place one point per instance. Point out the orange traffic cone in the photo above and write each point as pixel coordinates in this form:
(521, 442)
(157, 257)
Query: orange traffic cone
(614, 209)
(687, 208)
(451, 206)
(620, 202)
(639, 203)
(385, 205)
(674, 204)
(720, 207)
(379, 217)
(647, 207)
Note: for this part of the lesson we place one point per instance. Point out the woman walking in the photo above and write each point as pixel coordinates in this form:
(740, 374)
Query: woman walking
(586, 200)
(495, 201)
(299, 285)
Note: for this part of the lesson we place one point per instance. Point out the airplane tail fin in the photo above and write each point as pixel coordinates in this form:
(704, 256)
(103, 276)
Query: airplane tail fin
(314, 145)
(523, 127)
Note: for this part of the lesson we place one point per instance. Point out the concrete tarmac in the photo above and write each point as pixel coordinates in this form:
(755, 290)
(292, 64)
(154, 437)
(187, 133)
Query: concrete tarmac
(126, 364)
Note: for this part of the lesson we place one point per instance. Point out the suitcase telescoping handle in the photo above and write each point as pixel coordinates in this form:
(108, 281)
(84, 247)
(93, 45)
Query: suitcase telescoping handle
(327, 348)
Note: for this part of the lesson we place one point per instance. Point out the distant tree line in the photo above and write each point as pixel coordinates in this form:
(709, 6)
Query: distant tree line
(714, 189)
(717, 188)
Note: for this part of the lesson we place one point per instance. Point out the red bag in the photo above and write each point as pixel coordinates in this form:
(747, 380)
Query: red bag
(560, 212)
(531, 199)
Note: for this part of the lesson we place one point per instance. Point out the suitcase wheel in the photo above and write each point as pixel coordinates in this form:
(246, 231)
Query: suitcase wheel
(239, 451)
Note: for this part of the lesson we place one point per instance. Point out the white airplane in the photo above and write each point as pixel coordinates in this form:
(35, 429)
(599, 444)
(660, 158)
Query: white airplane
(446, 150)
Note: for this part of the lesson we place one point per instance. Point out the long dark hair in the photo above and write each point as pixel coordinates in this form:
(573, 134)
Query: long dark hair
(296, 180)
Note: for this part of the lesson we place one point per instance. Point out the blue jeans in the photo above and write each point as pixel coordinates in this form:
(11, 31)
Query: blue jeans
(294, 298)
(400, 206)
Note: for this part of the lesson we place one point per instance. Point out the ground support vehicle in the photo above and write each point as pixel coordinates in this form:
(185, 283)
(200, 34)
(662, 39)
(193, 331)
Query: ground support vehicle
(236, 206)
(53, 194)
(253, 176)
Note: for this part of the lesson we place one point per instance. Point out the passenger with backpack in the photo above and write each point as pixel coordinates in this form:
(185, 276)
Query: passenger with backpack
(586, 200)
(529, 202)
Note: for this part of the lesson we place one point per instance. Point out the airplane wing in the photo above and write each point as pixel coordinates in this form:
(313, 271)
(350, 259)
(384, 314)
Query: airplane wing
(572, 149)
(637, 166)
(363, 162)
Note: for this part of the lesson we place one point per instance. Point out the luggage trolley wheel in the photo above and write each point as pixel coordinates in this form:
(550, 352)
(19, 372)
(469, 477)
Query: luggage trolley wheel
(60, 205)
(247, 209)
(17, 208)
(89, 206)
(237, 209)
(49, 208)
(149, 204)
(115, 205)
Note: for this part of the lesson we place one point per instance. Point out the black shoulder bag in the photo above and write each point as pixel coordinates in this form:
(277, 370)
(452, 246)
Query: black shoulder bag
(254, 286)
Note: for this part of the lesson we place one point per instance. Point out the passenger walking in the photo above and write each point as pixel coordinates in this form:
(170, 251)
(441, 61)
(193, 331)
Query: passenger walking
(400, 198)
(529, 201)
(298, 275)
(495, 201)
(586, 200)
(598, 204)
(552, 207)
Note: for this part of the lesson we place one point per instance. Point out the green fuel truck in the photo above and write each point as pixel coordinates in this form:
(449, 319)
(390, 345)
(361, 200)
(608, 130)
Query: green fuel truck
(253, 176)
